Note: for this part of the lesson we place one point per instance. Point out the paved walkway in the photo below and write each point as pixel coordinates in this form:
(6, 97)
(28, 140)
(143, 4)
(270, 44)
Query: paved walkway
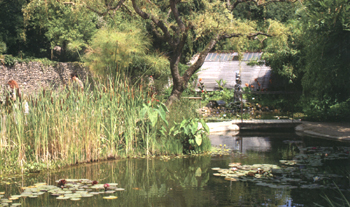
(340, 131)
(331, 130)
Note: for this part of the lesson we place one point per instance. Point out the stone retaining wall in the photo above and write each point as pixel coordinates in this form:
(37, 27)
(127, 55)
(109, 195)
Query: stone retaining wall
(33, 76)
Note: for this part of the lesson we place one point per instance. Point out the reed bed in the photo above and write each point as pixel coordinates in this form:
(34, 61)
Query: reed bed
(70, 126)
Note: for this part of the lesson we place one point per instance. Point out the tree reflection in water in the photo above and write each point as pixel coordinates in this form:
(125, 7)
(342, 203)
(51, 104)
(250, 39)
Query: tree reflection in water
(189, 181)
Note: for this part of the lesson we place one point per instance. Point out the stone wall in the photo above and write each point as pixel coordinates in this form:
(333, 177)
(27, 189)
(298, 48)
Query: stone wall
(34, 76)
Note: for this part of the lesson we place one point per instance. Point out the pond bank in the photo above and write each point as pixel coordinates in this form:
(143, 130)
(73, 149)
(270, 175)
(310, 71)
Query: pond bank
(331, 130)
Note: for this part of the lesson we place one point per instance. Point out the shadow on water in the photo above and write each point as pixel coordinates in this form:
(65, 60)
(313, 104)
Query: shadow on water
(189, 181)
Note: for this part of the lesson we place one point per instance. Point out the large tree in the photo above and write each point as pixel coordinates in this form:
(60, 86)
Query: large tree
(180, 23)
(177, 23)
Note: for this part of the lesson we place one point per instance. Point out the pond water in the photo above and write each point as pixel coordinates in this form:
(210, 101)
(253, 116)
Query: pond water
(190, 181)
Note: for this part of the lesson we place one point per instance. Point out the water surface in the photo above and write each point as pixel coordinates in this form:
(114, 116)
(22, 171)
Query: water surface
(190, 181)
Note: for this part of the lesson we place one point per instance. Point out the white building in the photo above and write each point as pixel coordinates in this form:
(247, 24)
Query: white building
(225, 66)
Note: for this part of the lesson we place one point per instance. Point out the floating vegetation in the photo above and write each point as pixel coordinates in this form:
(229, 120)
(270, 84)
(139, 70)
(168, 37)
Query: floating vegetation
(301, 172)
(110, 197)
(66, 189)
(220, 150)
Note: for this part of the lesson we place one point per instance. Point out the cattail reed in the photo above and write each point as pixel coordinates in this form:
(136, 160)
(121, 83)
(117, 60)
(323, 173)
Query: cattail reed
(132, 93)
(73, 133)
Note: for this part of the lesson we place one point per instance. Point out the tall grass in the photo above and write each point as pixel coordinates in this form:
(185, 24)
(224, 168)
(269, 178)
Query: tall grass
(70, 126)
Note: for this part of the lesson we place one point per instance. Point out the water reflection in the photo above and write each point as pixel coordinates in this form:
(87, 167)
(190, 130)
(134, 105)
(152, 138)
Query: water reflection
(240, 143)
(190, 181)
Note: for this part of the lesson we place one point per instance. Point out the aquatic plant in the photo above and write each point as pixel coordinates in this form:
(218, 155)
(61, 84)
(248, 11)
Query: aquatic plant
(341, 202)
(72, 189)
(65, 127)
(300, 172)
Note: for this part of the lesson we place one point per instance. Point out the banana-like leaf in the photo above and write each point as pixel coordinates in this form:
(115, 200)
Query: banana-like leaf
(204, 125)
(198, 139)
(194, 126)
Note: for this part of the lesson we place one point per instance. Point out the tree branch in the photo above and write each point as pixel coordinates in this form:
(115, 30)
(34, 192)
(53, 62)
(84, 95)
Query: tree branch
(202, 55)
(225, 36)
(176, 15)
(256, 2)
(156, 21)
(258, 33)
(274, 1)
(154, 29)
(120, 3)
(127, 9)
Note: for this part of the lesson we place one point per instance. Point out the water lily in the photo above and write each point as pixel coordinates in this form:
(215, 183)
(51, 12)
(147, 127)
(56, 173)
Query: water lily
(61, 183)
(106, 186)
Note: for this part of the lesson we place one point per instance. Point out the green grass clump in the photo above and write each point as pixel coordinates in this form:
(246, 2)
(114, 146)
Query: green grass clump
(70, 126)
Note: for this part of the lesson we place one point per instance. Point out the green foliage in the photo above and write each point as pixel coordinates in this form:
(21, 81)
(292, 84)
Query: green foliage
(153, 112)
(124, 49)
(61, 25)
(224, 93)
(327, 27)
(276, 11)
(190, 134)
(67, 127)
(12, 31)
(9, 60)
(2, 47)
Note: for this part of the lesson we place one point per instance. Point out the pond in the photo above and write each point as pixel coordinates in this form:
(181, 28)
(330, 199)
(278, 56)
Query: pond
(191, 180)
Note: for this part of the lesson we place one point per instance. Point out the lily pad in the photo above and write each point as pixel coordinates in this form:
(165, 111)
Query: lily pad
(62, 198)
(87, 195)
(112, 184)
(75, 199)
(110, 197)
(39, 184)
(13, 198)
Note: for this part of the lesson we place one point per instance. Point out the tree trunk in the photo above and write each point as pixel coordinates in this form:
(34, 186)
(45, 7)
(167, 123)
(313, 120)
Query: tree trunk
(180, 82)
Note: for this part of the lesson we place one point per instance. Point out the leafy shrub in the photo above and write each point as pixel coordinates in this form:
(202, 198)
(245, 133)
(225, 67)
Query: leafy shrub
(10, 60)
(191, 135)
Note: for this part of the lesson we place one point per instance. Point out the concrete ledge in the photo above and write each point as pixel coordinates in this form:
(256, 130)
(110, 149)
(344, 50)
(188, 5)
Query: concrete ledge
(222, 126)
(339, 131)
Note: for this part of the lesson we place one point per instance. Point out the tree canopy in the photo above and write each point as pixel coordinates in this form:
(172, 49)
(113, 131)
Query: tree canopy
(306, 42)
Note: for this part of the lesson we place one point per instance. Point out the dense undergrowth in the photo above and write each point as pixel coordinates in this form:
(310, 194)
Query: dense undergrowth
(107, 121)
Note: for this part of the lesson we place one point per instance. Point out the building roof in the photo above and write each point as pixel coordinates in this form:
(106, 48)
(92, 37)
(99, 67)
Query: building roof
(225, 66)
